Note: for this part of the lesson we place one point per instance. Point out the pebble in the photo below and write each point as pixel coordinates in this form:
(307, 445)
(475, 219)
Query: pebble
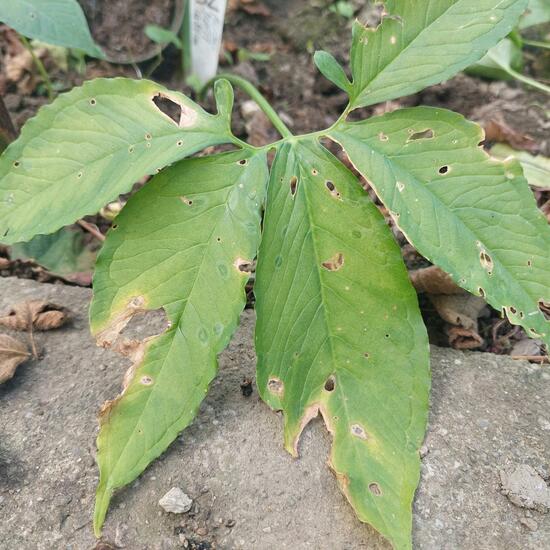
(176, 501)
(530, 523)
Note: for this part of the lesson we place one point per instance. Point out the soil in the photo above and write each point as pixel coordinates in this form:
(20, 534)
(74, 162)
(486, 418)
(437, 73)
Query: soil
(118, 26)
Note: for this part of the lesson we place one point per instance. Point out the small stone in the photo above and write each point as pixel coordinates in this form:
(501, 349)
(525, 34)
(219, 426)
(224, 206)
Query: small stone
(176, 501)
(230, 523)
(202, 531)
(530, 523)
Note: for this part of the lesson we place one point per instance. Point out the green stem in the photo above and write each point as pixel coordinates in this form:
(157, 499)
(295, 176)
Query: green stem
(529, 81)
(255, 94)
(40, 66)
(537, 43)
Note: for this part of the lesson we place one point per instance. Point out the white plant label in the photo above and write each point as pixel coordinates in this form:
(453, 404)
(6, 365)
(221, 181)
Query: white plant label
(206, 25)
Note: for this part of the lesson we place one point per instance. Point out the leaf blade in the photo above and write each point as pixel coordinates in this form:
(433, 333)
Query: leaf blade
(59, 22)
(473, 216)
(410, 49)
(186, 262)
(322, 320)
(89, 146)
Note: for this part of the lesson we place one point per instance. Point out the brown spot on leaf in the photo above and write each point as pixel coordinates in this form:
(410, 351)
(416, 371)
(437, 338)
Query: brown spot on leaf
(358, 431)
(330, 384)
(293, 185)
(486, 261)
(335, 263)
(374, 488)
(423, 134)
(276, 386)
(146, 380)
(244, 266)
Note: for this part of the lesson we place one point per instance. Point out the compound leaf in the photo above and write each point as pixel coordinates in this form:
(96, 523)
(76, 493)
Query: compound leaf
(92, 144)
(59, 22)
(183, 243)
(339, 332)
(331, 69)
(411, 48)
(472, 215)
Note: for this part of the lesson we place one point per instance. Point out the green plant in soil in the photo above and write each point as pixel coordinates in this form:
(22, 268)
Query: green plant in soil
(339, 332)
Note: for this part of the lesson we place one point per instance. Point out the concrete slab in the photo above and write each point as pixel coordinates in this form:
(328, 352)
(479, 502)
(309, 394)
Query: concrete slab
(489, 415)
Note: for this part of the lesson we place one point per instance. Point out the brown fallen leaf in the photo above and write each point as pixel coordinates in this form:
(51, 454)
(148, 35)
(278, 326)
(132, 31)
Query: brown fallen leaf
(252, 7)
(462, 338)
(497, 130)
(37, 314)
(433, 280)
(12, 354)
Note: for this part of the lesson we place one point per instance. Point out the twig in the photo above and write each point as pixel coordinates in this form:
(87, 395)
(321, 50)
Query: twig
(40, 66)
(92, 229)
(30, 322)
(532, 358)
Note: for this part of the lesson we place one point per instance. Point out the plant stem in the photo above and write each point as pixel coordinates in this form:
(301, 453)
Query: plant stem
(40, 66)
(529, 81)
(255, 94)
(92, 229)
(536, 44)
(7, 129)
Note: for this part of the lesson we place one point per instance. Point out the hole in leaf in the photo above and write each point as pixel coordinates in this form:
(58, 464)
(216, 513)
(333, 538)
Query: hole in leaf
(335, 263)
(424, 134)
(374, 488)
(179, 143)
(93, 102)
(383, 137)
(146, 380)
(16, 164)
(443, 170)
(332, 188)
(544, 308)
(513, 310)
(481, 292)
(293, 185)
(114, 226)
(366, 355)
(276, 386)
(314, 172)
(186, 201)
(243, 162)
(244, 266)
(170, 108)
(330, 384)
(358, 431)
(486, 261)
(529, 263)
(179, 113)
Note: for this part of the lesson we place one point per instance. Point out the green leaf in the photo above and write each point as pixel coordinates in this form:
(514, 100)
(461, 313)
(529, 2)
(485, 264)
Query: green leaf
(89, 146)
(412, 48)
(183, 243)
(472, 215)
(331, 69)
(537, 13)
(62, 253)
(163, 36)
(498, 61)
(339, 332)
(59, 22)
(536, 168)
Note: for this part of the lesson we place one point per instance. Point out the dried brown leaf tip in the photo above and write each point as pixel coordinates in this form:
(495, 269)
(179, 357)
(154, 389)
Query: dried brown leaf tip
(12, 353)
(36, 314)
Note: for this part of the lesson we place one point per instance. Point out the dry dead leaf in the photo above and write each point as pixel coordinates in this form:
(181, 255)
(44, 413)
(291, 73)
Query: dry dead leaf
(43, 316)
(497, 130)
(12, 354)
(462, 338)
(433, 280)
(252, 7)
